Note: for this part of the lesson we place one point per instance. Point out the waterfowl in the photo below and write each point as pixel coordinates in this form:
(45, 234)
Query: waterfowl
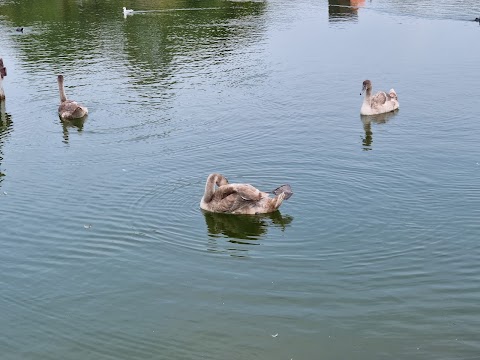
(3, 73)
(379, 103)
(127, 11)
(19, 29)
(222, 197)
(477, 20)
(69, 109)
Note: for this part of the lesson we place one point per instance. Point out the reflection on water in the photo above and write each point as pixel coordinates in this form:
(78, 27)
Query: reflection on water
(5, 128)
(67, 125)
(344, 9)
(244, 227)
(241, 230)
(367, 121)
(176, 39)
(440, 9)
(156, 39)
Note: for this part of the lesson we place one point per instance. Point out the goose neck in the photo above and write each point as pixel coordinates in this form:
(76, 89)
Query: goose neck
(368, 95)
(61, 89)
(209, 188)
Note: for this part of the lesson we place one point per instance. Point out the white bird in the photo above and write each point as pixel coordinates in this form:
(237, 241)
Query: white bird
(379, 103)
(127, 11)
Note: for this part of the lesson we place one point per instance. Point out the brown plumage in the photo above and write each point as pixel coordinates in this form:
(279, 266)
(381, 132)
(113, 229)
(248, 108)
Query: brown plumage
(379, 103)
(379, 98)
(222, 197)
(69, 109)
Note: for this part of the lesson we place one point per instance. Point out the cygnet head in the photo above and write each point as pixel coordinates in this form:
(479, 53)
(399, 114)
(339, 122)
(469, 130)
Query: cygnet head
(367, 85)
(221, 181)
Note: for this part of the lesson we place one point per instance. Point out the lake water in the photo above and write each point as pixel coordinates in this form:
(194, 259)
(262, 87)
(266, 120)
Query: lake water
(105, 253)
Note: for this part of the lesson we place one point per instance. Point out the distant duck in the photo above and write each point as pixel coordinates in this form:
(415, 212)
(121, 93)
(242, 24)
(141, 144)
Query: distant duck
(127, 11)
(379, 103)
(477, 20)
(240, 198)
(19, 29)
(69, 109)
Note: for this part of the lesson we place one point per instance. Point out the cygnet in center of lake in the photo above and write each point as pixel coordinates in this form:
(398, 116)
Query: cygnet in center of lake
(379, 103)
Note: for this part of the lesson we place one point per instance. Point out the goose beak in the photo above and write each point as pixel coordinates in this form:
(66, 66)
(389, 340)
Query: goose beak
(363, 89)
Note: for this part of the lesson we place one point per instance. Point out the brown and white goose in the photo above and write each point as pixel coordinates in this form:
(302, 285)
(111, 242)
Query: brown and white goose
(69, 109)
(379, 103)
(222, 197)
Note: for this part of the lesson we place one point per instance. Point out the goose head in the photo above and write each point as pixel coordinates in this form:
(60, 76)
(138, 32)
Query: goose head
(216, 179)
(367, 85)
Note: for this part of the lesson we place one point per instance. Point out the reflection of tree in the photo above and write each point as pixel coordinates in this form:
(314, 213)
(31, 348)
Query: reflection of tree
(5, 128)
(70, 28)
(157, 40)
(244, 227)
(343, 9)
(367, 121)
(71, 124)
(168, 40)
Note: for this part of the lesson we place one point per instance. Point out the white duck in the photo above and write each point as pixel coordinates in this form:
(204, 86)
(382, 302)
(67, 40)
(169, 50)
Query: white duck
(69, 109)
(127, 11)
(379, 103)
(240, 198)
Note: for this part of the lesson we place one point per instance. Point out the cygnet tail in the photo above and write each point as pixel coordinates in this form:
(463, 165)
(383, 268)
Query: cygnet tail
(393, 94)
(284, 189)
